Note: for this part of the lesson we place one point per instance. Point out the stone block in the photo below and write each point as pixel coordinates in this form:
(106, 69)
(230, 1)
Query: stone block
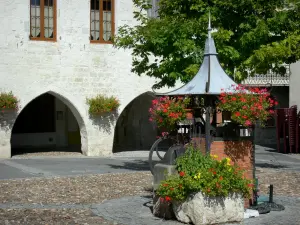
(161, 171)
(199, 209)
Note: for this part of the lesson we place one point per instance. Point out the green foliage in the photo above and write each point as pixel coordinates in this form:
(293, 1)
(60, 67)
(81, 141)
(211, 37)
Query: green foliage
(206, 174)
(8, 101)
(252, 37)
(102, 104)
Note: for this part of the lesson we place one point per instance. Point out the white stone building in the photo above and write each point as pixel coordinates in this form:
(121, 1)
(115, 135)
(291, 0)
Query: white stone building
(53, 55)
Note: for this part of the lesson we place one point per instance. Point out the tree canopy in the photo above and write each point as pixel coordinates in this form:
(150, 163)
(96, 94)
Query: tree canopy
(251, 36)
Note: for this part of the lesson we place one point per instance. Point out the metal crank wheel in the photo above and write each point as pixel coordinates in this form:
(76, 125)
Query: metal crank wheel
(174, 150)
(153, 149)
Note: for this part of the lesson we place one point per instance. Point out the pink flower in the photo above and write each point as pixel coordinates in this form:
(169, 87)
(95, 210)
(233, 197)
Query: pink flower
(248, 123)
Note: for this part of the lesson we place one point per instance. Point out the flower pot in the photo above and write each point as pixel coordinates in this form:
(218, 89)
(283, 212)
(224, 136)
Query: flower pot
(189, 114)
(200, 209)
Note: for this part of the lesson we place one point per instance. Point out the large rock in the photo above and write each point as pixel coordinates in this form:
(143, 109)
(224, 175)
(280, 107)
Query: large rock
(200, 209)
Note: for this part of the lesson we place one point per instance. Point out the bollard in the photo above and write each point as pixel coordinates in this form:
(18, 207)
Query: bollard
(271, 194)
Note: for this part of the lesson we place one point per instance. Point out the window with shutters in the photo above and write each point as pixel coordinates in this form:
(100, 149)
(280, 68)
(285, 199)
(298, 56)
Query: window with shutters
(102, 21)
(43, 20)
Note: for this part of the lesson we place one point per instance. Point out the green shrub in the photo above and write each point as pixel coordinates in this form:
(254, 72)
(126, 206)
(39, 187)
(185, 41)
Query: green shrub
(102, 104)
(8, 101)
(198, 172)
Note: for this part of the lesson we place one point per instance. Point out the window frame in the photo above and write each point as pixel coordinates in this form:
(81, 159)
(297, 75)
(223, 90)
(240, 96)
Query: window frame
(43, 38)
(100, 41)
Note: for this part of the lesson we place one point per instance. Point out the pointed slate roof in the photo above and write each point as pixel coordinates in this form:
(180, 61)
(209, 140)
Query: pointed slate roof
(211, 78)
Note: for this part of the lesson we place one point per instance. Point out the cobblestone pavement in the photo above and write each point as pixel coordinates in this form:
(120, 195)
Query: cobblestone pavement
(136, 210)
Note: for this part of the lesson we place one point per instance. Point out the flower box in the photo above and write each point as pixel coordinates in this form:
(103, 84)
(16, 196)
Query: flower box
(8, 101)
(100, 105)
(201, 209)
(208, 189)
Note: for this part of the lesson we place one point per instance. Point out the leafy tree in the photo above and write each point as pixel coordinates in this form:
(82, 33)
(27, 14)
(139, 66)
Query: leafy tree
(251, 36)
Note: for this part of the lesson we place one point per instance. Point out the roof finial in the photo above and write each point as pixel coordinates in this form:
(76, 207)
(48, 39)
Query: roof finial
(209, 25)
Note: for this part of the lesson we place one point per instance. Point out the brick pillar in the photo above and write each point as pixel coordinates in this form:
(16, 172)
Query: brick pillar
(240, 152)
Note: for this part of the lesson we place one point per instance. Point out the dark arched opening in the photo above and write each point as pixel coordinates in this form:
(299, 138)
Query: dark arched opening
(133, 130)
(45, 124)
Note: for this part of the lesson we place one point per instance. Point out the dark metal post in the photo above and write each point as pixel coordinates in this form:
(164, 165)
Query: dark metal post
(271, 194)
(207, 127)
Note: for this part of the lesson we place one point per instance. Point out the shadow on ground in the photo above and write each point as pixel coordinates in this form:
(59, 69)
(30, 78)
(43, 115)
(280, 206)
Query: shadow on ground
(268, 165)
(136, 165)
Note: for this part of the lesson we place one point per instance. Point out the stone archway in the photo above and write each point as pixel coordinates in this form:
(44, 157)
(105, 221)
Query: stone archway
(133, 130)
(49, 122)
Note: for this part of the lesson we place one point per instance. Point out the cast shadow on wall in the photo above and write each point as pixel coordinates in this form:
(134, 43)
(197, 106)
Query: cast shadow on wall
(7, 119)
(105, 122)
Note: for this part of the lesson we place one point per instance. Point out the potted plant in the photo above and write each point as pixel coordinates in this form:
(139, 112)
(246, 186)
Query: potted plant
(8, 101)
(247, 105)
(206, 190)
(167, 112)
(102, 104)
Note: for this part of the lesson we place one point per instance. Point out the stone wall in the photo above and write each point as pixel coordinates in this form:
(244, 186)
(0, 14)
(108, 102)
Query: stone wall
(71, 68)
(295, 84)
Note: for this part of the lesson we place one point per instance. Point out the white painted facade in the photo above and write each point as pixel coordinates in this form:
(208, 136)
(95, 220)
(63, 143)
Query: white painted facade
(71, 69)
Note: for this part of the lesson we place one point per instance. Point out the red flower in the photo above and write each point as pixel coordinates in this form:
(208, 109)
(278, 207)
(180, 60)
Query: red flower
(208, 190)
(237, 114)
(181, 173)
(250, 185)
(221, 178)
(167, 198)
(233, 99)
(165, 185)
(171, 189)
(214, 172)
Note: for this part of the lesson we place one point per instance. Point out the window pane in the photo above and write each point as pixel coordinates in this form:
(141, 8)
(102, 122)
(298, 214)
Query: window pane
(107, 5)
(48, 2)
(95, 20)
(35, 18)
(48, 19)
(107, 17)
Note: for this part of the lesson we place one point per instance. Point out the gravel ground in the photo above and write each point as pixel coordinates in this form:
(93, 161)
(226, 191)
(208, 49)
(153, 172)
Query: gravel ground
(286, 183)
(75, 190)
(47, 217)
(48, 154)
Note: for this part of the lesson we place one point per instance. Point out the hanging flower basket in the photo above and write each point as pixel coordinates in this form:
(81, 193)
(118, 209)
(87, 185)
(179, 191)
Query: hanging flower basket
(167, 112)
(8, 101)
(102, 104)
(247, 105)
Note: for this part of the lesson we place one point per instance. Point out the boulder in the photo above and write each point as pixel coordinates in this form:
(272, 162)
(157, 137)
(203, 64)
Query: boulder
(201, 209)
